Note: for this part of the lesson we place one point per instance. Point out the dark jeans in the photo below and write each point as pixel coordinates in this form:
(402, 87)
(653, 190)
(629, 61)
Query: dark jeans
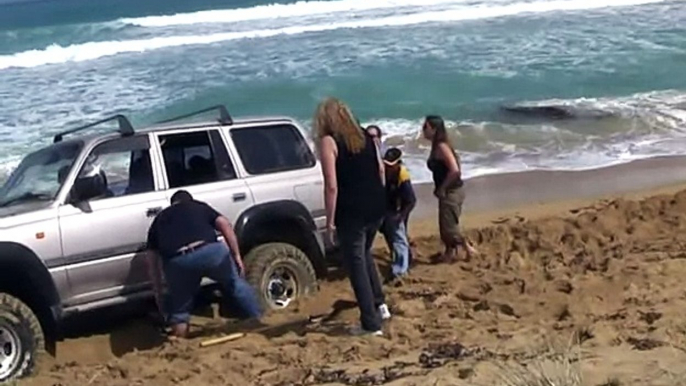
(356, 245)
(184, 273)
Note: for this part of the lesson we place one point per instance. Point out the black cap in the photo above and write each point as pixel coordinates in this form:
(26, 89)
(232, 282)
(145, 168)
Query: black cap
(392, 156)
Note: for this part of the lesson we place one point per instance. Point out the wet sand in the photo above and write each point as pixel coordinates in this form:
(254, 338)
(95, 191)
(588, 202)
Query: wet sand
(488, 195)
(579, 275)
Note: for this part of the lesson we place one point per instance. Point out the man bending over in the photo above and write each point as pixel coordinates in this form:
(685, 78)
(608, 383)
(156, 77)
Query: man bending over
(182, 238)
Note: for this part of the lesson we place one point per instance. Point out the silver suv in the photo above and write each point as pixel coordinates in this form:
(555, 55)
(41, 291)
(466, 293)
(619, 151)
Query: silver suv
(74, 217)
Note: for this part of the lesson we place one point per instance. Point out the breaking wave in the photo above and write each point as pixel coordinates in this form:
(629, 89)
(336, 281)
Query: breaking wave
(633, 127)
(55, 54)
(630, 128)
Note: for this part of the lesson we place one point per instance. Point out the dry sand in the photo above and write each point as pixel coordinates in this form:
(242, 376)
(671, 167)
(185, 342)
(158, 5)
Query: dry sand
(571, 282)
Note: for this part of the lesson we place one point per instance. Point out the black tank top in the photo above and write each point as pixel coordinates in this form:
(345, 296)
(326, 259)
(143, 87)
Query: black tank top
(360, 190)
(439, 171)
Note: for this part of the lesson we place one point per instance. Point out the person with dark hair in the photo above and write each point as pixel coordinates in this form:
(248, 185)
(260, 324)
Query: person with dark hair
(200, 170)
(354, 200)
(445, 167)
(182, 243)
(374, 131)
(400, 200)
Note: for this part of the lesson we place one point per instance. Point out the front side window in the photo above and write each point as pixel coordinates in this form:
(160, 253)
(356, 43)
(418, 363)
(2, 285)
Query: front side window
(116, 168)
(196, 158)
(272, 149)
(40, 175)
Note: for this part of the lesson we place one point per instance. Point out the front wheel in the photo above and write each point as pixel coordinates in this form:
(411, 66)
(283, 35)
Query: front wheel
(281, 273)
(22, 342)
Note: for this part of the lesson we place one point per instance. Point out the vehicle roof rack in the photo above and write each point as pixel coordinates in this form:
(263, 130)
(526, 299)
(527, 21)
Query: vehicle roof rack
(125, 127)
(224, 116)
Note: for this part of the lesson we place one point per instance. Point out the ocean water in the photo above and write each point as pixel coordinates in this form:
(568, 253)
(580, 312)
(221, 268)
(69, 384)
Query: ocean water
(524, 84)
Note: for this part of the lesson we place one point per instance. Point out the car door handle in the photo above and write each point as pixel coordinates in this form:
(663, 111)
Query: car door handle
(152, 212)
(239, 196)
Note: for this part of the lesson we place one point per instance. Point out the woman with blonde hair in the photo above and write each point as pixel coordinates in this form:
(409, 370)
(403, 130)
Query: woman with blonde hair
(355, 204)
(445, 167)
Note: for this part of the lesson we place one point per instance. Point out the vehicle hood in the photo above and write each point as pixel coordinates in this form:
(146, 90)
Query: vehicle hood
(26, 213)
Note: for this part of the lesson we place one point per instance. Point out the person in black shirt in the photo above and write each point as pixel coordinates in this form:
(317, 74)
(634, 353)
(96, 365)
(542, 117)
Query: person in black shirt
(355, 203)
(183, 238)
(446, 170)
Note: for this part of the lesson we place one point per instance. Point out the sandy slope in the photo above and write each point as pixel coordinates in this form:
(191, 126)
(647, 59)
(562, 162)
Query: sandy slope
(598, 289)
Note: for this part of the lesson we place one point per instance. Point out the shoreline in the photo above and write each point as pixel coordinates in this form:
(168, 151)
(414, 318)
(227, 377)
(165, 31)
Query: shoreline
(491, 196)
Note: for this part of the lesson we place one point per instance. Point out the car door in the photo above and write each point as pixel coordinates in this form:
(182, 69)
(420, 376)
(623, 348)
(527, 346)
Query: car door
(280, 166)
(198, 162)
(104, 229)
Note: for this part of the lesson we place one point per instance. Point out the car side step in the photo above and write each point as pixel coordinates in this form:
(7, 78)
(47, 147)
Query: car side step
(117, 300)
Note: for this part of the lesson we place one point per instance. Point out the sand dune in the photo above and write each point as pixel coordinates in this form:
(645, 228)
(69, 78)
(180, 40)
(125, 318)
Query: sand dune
(596, 294)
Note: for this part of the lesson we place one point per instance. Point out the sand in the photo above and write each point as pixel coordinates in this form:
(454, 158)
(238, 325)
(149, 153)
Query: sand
(576, 279)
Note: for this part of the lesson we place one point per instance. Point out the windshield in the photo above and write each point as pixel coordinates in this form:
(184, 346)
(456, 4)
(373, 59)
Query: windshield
(39, 176)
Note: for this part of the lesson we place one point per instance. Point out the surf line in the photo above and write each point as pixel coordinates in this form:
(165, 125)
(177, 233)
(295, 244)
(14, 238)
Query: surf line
(311, 8)
(55, 54)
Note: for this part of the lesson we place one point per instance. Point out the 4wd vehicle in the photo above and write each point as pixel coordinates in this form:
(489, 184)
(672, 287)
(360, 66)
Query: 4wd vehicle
(74, 217)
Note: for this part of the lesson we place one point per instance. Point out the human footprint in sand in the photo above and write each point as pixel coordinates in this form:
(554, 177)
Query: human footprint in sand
(444, 163)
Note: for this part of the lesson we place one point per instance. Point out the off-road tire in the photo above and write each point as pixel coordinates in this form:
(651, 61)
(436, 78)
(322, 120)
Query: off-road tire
(16, 315)
(261, 261)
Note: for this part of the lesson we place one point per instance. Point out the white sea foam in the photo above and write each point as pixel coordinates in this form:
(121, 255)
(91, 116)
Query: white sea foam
(55, 54)
(274, 11)
(661, 109)
(7, 166)
(496, 147)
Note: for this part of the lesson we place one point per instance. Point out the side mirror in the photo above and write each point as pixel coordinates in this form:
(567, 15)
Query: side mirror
(88, 187)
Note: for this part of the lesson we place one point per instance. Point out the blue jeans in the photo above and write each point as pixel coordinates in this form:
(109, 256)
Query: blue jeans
(395, 233)
(184, 273)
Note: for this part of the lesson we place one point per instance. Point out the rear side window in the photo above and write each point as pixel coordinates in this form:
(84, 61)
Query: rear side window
(271, 149)
(195, 158)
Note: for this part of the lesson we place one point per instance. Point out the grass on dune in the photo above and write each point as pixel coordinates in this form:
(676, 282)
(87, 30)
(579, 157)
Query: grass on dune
(553, 367)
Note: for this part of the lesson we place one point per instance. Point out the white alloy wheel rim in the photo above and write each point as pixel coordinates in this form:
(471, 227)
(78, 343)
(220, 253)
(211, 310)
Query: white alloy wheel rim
(10, 348)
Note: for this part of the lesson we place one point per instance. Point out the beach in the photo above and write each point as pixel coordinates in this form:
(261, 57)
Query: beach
(542, 192)
(521, 84)
(579, 277)
(568, 116)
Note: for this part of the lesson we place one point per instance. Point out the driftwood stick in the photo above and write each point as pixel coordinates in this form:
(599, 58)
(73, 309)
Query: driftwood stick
(223, 339)
(312, 319)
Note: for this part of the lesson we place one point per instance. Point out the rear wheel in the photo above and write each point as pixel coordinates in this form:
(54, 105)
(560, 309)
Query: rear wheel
(22, 342)
(281, 273)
